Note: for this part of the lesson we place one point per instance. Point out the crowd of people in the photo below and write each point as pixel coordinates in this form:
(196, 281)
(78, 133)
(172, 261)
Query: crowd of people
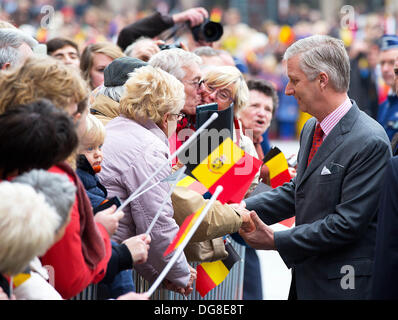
(84, 124)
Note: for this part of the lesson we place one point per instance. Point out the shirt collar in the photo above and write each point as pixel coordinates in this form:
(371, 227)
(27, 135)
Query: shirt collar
(333, 118)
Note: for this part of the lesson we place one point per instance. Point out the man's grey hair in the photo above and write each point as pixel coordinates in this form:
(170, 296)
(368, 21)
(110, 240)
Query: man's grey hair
(10, 41)
(114, 93)
(58, 190)
(174, 60)
(320, 53)
(206, 51)
(130, 49)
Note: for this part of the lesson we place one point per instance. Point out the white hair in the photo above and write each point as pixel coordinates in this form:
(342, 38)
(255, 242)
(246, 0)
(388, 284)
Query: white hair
(27, 226)
(130, 49)
(320, 53)
(114, 93)
(174, 60)
(10, 41)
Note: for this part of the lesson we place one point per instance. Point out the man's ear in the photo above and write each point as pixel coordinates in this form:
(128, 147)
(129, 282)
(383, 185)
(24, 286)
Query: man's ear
(323, 80)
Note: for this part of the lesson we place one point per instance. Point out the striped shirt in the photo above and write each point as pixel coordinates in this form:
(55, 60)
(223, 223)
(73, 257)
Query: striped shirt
(332, 119)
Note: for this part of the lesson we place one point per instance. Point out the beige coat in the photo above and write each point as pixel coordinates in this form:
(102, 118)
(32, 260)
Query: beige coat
(207, 243)
(104, 108)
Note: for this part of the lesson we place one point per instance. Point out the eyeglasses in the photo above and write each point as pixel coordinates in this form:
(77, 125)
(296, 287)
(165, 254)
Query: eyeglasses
(193, 83)
(180, 116)
(222, 94)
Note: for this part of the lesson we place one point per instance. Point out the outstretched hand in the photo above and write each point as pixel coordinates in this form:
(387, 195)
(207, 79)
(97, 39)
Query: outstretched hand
(262, 237)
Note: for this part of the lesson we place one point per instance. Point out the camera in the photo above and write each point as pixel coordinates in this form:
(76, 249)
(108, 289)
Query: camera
(169, 46)
(208, 31)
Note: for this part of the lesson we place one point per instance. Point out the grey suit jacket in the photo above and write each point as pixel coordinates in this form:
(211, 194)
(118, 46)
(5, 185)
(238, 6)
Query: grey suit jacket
(335, 232)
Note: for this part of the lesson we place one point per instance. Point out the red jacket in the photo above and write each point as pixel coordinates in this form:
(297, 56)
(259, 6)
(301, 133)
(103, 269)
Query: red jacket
(77, 263)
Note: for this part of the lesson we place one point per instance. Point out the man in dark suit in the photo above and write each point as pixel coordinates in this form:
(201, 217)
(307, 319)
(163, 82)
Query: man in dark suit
(385, 276)
(341, 161)
(385, 279)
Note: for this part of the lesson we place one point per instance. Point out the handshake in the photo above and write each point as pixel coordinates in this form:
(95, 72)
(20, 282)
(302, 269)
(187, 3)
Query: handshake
(255, 232)
(247, 222)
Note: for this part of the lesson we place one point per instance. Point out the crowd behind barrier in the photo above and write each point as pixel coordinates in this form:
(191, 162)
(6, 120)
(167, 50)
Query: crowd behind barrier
(108, 99)
(257, 51)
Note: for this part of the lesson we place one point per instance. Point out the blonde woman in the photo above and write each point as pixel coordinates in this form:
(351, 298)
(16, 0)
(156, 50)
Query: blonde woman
(43, 77)
(225, 85)
(136, 144)
(94, 60)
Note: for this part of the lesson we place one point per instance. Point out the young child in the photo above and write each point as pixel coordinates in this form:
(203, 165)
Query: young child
(89, 161)
(88, 165)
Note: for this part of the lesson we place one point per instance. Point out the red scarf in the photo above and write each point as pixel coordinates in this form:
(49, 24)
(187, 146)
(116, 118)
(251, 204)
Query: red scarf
(93, 246)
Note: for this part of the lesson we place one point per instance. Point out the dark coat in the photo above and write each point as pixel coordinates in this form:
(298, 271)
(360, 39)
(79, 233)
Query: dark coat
(150, 27)
(95, 190)
(385, 275)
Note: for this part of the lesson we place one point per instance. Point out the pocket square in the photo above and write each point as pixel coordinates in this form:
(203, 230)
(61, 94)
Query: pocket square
(325, 171)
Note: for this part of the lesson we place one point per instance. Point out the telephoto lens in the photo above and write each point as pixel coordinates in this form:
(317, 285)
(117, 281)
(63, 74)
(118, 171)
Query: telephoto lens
(208, 31)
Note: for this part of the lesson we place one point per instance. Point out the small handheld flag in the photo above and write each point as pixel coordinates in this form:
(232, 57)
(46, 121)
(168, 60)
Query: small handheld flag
(183, 231)
(278, 167)
(279, 174)
(226, 165)
(185, 241)
(211, 274)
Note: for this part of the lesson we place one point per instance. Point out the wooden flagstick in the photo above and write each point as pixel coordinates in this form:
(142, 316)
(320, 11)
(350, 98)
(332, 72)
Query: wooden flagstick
(213, 117)
(181, 247)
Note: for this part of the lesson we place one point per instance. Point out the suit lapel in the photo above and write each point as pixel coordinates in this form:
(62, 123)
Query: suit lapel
(329, 145)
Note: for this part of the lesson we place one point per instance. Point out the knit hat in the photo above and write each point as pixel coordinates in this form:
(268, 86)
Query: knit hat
(116, 73)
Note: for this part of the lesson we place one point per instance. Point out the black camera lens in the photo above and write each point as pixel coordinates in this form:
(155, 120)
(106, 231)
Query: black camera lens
(208, 31)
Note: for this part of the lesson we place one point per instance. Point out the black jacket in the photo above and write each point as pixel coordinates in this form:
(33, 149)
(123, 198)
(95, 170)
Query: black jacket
(150, 27)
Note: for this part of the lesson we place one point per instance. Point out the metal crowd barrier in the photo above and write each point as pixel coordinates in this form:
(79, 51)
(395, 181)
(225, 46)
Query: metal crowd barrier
(90, 293)
(230, 289)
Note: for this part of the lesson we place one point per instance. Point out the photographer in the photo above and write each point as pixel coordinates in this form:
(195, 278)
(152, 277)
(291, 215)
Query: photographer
(156, 23)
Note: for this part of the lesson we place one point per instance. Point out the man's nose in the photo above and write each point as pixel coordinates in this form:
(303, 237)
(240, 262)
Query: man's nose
(289, 90)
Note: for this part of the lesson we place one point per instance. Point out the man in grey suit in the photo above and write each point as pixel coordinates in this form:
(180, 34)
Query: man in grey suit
(335, 193)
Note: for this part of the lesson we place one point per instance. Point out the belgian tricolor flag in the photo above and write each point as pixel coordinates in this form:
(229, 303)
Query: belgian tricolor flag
(183, 231)
(223, 164)
(278, 167)
(211, 274)
(279, 173)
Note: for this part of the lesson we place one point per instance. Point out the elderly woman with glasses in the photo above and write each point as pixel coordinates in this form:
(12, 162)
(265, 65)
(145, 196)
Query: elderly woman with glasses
(225, 85)
(136, 145)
